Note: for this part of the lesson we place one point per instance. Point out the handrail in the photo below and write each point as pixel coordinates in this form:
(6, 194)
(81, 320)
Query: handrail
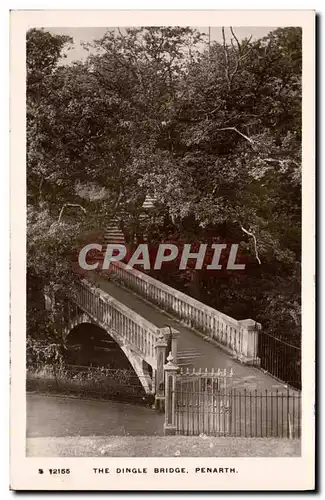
(222, 328)
(128, 326)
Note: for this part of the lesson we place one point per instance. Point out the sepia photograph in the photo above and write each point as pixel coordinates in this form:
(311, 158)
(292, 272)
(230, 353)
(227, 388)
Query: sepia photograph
(164, 210)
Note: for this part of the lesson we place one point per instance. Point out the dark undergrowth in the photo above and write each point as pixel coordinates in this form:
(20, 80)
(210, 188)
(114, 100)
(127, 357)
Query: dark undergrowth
(95, 383)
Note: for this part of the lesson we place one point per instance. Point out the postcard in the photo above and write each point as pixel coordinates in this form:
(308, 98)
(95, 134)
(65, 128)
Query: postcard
(162, 250)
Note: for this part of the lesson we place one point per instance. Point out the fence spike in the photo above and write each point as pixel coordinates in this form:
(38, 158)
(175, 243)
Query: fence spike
(289, 426)
(247, 410)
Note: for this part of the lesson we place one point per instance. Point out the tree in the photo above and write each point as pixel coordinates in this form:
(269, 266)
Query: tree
(89, 127)
(46, 243)
(235, 166)
(214, 135)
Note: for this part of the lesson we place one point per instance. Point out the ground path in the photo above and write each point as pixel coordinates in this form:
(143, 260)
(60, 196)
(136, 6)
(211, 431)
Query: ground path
(64, 416)
(71, 427)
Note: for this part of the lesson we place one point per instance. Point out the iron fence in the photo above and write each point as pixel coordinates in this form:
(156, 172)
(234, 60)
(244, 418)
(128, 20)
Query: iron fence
(280, 358)
(237, 413)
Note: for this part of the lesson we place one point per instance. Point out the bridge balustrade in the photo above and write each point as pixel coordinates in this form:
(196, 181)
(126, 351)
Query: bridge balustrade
(239, 338)
(128, 326)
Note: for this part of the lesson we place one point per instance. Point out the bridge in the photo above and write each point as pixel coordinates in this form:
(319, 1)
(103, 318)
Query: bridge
(140, 319)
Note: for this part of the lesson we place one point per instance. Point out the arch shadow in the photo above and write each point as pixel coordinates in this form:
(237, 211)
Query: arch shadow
(91, 345)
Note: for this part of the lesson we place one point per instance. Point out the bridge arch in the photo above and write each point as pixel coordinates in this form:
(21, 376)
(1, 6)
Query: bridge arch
(101, 346)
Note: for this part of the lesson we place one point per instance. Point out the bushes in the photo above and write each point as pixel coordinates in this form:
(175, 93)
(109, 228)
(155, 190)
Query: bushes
(100, 383)
(40, 354)
(47, 372)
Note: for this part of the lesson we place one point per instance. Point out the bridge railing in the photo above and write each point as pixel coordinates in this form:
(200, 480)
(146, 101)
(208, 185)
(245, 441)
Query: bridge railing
(239, 338)
(129, 327)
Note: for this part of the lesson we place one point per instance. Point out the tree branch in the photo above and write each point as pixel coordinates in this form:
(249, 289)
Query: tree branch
(40, 194)
(255, 243)
(237, 41)
(248, 42)
(240, 133)
(241, 52)
(70, 205)
(281, 161)
(225, 50)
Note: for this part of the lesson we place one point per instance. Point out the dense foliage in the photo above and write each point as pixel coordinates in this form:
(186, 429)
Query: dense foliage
(213, 132)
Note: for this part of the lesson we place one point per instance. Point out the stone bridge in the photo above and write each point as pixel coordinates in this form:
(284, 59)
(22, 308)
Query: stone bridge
(135, 336)
(133, 310)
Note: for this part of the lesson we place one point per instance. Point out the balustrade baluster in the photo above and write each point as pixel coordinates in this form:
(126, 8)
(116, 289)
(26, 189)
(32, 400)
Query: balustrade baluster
(142, 342)
(132, 332)
(137, 336)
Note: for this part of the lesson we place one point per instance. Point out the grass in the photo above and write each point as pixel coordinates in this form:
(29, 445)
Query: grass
(155, 446)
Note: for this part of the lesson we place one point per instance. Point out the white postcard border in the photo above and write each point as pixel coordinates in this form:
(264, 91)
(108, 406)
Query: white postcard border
(253, 473)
